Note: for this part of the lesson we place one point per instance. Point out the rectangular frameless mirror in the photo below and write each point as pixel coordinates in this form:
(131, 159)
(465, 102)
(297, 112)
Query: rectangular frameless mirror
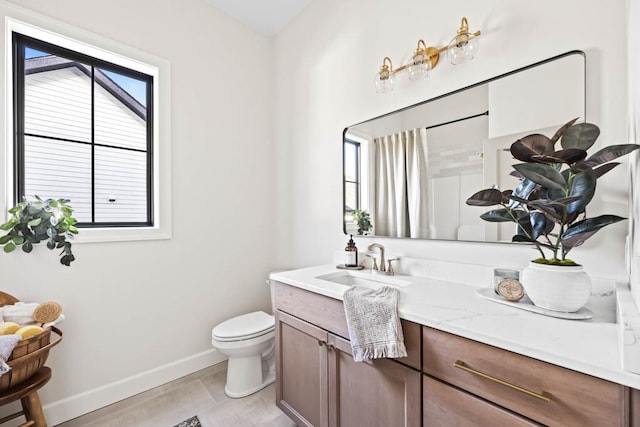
(411, 171)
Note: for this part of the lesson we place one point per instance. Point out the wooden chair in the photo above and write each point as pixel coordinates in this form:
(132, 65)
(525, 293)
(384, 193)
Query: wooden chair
(27, 392)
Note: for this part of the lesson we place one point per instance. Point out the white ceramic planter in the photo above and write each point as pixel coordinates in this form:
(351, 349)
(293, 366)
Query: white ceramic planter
(555, 287)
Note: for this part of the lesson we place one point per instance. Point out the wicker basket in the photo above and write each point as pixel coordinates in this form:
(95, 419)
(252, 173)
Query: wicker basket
(29, 355)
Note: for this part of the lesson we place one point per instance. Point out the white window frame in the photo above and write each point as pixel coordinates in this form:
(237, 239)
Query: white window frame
(64, 35)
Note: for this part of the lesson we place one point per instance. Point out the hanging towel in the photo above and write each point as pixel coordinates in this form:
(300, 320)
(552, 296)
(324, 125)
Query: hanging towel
(373, 322)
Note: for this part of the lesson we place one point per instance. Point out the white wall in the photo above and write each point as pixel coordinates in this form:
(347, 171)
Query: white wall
(258, 147)
(139, 313)
(324, 67)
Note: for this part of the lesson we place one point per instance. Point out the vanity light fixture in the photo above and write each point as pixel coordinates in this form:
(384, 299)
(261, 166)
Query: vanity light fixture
(462, 48)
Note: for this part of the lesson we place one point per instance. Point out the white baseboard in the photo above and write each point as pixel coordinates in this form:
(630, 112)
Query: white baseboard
(74, 406)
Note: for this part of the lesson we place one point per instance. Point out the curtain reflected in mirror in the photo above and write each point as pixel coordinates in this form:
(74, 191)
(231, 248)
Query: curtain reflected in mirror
(400, 180)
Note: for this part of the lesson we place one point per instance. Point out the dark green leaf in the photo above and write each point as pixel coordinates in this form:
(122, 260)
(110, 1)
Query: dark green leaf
(538, 224)
(550, 207)
(532, 145)
(4, 239)
(610, 153)
(34, 222)
(545, 175)
(18, 240)
(568, 156)
(9, 247)
(51, 244)
(34, 210)
(521, 193)
(583, 186)
(487, 197)
(27, 247)
(67, 259)
(503, 215)
(605, 168)
(578, 233)
(9, 224)
(582, 135)
(520, 238)
(560, 131)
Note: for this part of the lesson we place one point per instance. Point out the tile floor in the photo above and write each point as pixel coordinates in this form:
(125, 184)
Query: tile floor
(201, 394)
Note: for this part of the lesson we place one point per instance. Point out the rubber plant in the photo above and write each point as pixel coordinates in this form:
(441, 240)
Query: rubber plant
(35, 220)
(362, 219)
(549, 205)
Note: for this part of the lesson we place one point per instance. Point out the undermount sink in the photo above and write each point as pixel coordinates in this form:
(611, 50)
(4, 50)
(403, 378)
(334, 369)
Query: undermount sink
(358, 278)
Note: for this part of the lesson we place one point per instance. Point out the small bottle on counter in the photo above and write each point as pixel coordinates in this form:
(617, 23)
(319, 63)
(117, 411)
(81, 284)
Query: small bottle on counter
(351, 253)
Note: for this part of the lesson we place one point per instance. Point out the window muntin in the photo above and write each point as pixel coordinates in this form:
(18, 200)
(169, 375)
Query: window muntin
(82, 131)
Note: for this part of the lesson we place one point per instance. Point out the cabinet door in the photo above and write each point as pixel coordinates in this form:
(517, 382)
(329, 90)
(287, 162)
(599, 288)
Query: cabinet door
(445, 406)
(301, 371)
(635, 407)
(372, 393)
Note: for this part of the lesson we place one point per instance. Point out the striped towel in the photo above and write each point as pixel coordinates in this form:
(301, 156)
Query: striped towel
(374, 325)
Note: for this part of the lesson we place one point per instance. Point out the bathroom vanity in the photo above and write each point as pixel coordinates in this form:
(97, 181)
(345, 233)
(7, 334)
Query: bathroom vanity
(470, 362)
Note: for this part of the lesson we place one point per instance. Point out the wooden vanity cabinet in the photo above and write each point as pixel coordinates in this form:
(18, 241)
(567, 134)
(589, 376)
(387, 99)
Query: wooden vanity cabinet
(544, 393)
(319, 384)
(447, 380)
(635, 408)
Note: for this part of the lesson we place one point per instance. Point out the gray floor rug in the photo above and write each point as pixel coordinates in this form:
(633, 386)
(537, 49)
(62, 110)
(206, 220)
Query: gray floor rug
(191, 422)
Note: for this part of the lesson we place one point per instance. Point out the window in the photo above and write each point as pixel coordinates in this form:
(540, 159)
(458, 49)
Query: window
(83, 130)
(125, 83)
(351, 159)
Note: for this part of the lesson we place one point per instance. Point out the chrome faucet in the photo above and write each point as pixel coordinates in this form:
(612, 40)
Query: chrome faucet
(379, 246)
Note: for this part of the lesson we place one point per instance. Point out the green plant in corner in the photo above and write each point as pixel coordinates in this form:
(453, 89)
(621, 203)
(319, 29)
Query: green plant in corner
(35, 220)
(549, 204)
(362, 219)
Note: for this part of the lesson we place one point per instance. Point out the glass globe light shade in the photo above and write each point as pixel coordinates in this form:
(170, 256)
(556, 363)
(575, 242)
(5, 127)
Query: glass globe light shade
(462, 48)
(385, 81)
(419, 67)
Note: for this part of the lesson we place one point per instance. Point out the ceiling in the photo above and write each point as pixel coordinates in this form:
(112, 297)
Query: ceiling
(267, 17)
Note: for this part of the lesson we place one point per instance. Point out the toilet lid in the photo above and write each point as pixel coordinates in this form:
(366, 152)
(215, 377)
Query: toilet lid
(246, 326)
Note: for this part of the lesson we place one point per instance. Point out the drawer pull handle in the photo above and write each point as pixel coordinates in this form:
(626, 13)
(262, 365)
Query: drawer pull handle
(544, 396)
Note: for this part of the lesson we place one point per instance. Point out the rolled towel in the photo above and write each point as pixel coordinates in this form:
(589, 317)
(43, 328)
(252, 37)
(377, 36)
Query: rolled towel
(55, 322)
(20, 313)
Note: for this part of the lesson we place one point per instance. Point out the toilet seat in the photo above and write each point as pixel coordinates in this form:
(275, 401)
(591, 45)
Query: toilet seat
(244, 327)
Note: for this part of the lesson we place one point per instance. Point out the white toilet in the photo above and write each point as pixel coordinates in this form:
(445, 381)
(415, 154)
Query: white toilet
(249, 342)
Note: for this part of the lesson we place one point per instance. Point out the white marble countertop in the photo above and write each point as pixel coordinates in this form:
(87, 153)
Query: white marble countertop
(587, 346)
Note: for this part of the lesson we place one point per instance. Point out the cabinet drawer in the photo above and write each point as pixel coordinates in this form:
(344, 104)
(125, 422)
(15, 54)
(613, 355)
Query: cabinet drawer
(328, 314)
(574, 399)
(445, 406)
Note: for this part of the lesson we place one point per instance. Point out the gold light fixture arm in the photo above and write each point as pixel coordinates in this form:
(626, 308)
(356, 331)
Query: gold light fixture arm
(386, 70)
(422, 49)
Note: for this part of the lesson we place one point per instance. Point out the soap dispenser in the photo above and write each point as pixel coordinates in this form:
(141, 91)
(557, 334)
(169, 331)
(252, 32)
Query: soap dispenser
(351, 253)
